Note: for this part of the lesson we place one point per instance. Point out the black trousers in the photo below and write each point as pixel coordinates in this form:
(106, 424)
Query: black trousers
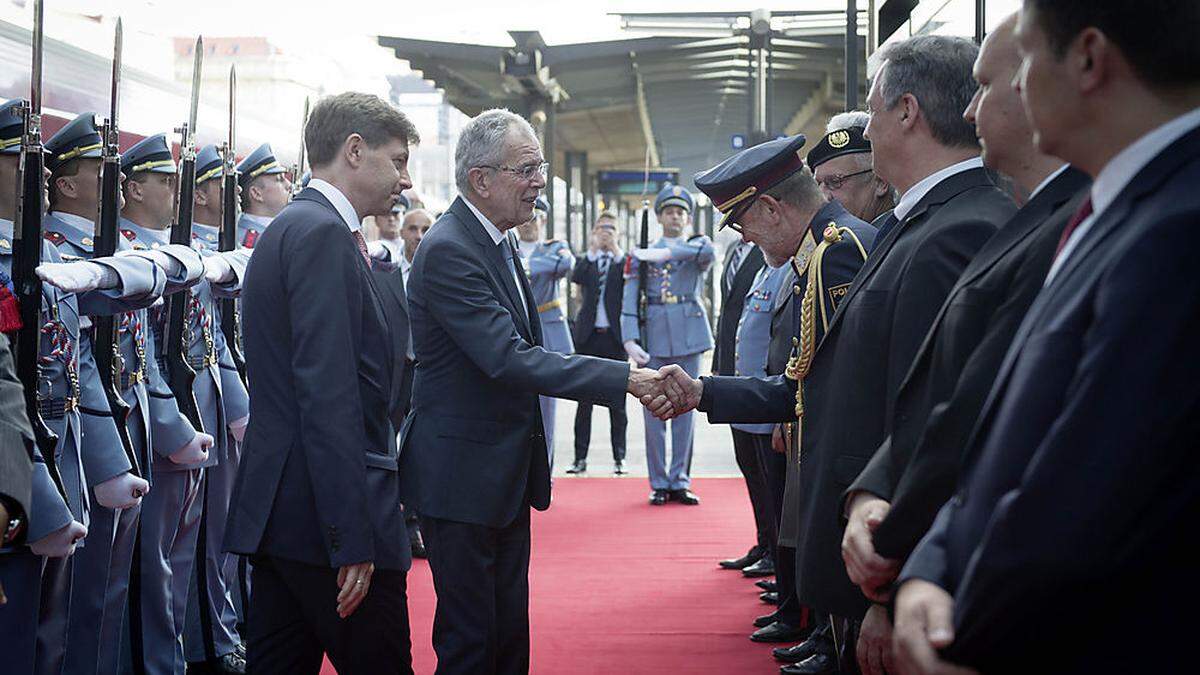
(774, 466)
(293, 621)
(600, 343)
(766, 514)
(481, 576)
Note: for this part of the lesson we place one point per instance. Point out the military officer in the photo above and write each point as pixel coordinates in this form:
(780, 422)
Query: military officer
(211, 633)
(265, 191)
(170, 538)
(841, 162)
(547, 261)
(676, 332)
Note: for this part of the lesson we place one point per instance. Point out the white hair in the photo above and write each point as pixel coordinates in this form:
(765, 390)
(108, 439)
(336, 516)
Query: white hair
(845, 120)
(481, 142)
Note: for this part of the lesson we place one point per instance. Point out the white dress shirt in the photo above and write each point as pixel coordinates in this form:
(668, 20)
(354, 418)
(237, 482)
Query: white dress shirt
(917, 192)
(498, 237)
(339, 201)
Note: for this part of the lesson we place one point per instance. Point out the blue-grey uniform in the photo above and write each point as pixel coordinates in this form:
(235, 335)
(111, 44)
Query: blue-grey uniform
(171, 513)
(753, 337)
(261, 162)
(547, 262)
(677, 331)
(210, 629)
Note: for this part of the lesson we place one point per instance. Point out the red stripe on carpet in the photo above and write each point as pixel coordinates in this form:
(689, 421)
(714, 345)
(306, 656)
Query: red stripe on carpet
(619, 586)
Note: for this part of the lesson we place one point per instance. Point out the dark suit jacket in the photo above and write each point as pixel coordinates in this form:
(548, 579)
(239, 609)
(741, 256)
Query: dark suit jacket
(938, 403)
(317, 483)
(390, 284)
(473, 448)
(860, 363)
(16, 438)
(733, 299)
(1081, 480)
(587, 275)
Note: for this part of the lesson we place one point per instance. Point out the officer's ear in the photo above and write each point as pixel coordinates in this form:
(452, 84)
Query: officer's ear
(354, 150)
(477, 177)
(66, 186)
(770, 209)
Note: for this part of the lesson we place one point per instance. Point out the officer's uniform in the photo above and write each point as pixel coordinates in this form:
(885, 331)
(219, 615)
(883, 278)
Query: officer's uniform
(261, 162)
(212, 617)
(677, 332)
(71, 401)
(547, 262)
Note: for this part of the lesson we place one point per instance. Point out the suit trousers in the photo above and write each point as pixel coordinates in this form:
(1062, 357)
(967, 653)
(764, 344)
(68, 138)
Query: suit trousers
(762, 504)
(210, 627)
(293, 622)
(774, 465)
(677, 477)
(599, 343)
(20, 573)
(481, 576)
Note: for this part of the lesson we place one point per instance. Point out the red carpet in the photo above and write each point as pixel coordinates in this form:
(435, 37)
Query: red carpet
(619, 586)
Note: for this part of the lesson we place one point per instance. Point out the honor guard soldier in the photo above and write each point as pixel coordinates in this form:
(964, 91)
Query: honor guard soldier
(547, 261)
(171, 535)
(215, 602)
(768, 195)
(677, 331)
(265, 191)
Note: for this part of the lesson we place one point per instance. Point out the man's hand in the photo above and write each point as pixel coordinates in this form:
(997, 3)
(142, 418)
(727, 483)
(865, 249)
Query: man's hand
(77, 277)
(353, 583)
(683, 391)
(217, 270)
(866, 568)
(237, 428)
(875, 643)
(194, 451)
(61, 542)
(121, 492)
(778, 444)
(635, 352)
(378, 251)
(924, 624)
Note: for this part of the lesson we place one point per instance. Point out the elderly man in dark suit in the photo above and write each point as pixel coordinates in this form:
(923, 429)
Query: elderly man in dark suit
(893, 501)
(947, 210)
(316, 503)
(1080, 477)
(473, 450)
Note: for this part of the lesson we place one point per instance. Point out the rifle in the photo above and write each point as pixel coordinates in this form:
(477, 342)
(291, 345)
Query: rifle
(180, 375)
(643, 271)
(230, 319)
(107, 350)
(27, 254)
(298, 168)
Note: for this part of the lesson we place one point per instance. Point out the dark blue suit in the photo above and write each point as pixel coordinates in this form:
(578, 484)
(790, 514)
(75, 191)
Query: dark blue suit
(473, 450)
(317, 487)
(1080, 485)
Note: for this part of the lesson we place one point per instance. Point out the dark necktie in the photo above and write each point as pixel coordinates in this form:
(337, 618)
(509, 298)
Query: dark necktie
(362, 247)
(887, 225)
(603, 263)
(1085, 210)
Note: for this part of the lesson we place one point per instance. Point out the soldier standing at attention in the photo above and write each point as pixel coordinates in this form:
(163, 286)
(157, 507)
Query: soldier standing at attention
(546, 262)
(677, 332)
(265, 191)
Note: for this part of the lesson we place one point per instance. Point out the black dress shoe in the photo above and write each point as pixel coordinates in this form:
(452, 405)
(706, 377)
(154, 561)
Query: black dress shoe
(817, 664)
(685, 496)
(752, 556)
(578, 466)
(777, 632)
(762, 568)
(767, 584)
(769, 597)
(818, 644)
(619, 467)
(764, 620)
(658, 497)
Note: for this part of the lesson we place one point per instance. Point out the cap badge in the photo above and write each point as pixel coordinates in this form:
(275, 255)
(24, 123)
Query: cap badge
(839, 139)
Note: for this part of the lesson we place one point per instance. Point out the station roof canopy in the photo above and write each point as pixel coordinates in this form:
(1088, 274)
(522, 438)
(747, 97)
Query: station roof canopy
(678, 96)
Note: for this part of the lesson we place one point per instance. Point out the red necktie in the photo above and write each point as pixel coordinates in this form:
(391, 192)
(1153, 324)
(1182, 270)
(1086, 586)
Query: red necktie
(1085, 210)
(362, 247)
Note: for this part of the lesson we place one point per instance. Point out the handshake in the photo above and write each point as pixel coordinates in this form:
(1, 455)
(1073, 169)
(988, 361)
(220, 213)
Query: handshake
(667, 392)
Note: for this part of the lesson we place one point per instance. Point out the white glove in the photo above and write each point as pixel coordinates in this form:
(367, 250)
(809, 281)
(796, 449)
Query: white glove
(121, 492)
(378, 251)
(237, 428)
(77, 277)
(652, 254)
(61, 542)
(194, 451)
(170, 265)
(217, 270)
(635, 352)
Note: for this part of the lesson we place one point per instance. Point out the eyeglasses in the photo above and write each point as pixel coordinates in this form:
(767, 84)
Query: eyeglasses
(835, 181)
(525, 173)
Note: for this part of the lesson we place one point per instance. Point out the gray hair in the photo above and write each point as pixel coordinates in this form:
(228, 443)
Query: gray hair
(845, 120)
(799, 189)
(481, 142)
(416, 212)
(936, 70)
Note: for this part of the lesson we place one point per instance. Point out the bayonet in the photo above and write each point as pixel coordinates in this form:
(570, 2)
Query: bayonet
(298, 169)
(230, 317)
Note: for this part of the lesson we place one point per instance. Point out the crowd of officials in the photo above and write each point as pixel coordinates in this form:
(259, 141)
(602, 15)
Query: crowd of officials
(956, 351)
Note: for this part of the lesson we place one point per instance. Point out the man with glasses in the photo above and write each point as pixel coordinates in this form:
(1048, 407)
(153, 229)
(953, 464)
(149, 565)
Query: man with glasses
(841, 163)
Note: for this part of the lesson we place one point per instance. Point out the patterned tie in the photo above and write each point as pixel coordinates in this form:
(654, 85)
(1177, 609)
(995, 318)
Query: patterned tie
(362, 246)
(605, 259)
(1085, 210)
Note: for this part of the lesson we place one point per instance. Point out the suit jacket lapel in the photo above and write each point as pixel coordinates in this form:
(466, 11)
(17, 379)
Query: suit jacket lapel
(494, 254)
(534, 323)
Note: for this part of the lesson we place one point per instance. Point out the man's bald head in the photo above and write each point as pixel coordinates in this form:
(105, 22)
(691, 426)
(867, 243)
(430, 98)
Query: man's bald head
(414, 226)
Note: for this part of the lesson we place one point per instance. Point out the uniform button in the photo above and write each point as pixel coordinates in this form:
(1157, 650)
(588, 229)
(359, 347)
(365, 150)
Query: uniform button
(796, 289)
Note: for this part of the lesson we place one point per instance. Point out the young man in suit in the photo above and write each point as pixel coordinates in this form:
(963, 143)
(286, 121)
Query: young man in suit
(316, 502)
(597, 331)
(893, 501)
(1081, 474)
